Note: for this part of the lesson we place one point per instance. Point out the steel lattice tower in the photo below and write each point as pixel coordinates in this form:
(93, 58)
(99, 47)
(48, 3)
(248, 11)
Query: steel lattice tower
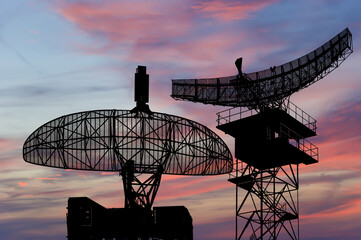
(270, 135)
(271, 145)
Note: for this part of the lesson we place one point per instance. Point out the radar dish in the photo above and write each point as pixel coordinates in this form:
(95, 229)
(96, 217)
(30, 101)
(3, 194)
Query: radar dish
(136, 143)
(104, 140)
(270, 86)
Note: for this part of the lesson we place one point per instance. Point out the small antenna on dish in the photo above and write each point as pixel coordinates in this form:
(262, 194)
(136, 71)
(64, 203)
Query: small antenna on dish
(141, 90)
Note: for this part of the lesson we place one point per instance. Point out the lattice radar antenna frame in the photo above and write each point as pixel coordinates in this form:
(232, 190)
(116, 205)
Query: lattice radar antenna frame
(270, 87)
(270, 134)
(135, 143)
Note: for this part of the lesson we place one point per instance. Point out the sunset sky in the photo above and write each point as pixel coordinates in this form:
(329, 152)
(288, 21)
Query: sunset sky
(59, 57)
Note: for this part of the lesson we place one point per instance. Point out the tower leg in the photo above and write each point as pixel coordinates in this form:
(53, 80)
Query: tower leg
(268, 208)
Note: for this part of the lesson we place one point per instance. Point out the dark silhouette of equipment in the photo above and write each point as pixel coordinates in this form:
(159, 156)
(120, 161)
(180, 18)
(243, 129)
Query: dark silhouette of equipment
(141, 90)
(139, 144)
(270, 135)
(87, 219)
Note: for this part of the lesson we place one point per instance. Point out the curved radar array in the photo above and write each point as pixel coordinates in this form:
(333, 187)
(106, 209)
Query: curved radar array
(131, 142)
(105, 140)
(268, 87)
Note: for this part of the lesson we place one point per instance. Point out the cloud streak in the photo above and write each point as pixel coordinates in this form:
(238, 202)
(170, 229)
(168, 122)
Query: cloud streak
(231, 10)
(16, 51)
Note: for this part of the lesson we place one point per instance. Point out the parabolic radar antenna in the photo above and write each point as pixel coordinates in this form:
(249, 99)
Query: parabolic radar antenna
(270, 134)
(134, 143)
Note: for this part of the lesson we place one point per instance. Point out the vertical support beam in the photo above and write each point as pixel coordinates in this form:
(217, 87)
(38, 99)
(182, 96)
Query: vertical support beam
(274, 202)
(298, 204)
(128, 178)
(261, 202)
(237, 175)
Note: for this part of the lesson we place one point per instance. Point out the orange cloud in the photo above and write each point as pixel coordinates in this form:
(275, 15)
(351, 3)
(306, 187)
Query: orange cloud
(22, 184)
(107, 173)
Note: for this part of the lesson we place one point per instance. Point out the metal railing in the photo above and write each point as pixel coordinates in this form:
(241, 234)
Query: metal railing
(233, 114)
(236, 113)
(300, 115)
(302, 144)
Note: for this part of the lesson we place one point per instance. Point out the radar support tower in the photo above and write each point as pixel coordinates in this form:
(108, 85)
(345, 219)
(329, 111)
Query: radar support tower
(270, 135)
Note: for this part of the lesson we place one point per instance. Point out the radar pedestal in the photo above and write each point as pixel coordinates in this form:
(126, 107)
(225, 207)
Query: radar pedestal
(140, 193)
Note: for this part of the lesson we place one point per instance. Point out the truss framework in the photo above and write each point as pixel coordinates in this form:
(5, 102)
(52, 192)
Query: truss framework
(273, 196)
(140, 192)
(104, 140)
(139, 145)
(266, 186)
(267, 87)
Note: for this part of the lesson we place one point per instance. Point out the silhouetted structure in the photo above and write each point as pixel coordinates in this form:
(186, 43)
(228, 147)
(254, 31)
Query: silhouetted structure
(87, 219)
(270, 135)
(139, 144)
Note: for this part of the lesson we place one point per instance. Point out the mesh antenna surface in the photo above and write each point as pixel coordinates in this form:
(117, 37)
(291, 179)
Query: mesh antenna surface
(132, 142)
(269, 87)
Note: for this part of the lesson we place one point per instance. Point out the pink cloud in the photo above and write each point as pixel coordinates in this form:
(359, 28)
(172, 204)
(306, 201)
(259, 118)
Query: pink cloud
(192, 187)
(125, 21)
(339, 136)
(342, 211)
(335, 178)
(344, 219)
(170, 178)
(231, 10)
(161, 32)
(200, 53)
